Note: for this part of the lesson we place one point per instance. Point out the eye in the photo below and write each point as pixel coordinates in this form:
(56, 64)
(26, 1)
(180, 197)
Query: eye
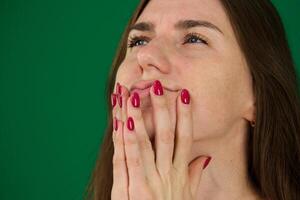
(189, 38)
(194, 38)
(137, 41)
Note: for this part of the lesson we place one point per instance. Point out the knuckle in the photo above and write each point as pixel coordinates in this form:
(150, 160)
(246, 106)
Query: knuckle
(118, 114)
(167, 137)
(118, 192)
(185, 138)
(117, 140)
(130, 141)
(138, 197)
(161, 103)
(145, 144)
(142, 191)
(118, 161)
(124, 115)
(181, 170)
(186, 113)
(133, 161)
(133, 195)
(137, 116)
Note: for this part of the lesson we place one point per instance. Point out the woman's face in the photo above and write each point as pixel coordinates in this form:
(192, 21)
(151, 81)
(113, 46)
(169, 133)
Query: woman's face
(201, 55)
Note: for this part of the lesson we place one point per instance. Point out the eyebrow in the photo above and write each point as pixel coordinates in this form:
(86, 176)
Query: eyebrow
(180, 25)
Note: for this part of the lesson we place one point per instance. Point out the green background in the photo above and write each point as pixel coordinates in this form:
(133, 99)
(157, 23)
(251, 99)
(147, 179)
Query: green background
(54, 60)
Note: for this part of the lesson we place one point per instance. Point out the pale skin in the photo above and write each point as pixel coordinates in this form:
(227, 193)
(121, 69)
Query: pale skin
(214, 124)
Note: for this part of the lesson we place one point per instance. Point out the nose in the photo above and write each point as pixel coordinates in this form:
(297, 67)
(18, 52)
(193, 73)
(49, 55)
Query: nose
(154, 56)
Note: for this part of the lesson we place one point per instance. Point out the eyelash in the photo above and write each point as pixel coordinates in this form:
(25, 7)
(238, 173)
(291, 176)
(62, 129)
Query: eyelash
(134, 39)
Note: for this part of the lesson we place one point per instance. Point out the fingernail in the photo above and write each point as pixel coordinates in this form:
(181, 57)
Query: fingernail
(135, 100)
(115, 124)
(206, 162)
(113, 100)
(158, 89)
(120, 101)
(119, 88)
(185, 96)
(130, 123)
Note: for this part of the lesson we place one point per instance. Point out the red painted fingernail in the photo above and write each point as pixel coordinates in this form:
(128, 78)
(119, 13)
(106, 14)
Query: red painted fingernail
(206, 162)
(120, 101)
(185, 96)
(115, 124)
(119, 88)
(135, 100)
(113, 100)
(130, 123)
(158, 89)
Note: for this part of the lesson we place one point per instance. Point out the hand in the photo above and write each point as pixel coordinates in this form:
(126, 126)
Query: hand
(138, 171)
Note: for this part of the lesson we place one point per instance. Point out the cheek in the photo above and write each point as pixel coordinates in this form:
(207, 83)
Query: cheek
(214, 100)
(127, 72)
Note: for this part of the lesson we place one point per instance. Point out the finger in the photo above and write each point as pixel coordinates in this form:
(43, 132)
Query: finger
(196, 168)
(117, 109)
(145, 146)
(122, 99)
(184, 131)
(114, 98)
(164, 137)
(120, 176)
(136, 175)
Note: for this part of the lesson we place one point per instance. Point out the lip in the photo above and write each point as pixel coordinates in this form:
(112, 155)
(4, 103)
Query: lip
(143, 88)
(142, 92)
(142, 85)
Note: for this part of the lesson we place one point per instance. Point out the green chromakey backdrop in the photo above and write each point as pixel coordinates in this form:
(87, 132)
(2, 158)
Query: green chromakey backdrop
(54, 61)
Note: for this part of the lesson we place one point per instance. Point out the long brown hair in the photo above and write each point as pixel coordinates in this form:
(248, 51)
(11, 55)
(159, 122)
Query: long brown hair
(274, 143)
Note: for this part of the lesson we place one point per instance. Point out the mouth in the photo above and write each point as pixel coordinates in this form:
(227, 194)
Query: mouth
(146, 91)
(142, 92)
(143, 87)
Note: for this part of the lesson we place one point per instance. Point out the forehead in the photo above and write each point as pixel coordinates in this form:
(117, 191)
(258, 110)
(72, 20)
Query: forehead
(168, 12)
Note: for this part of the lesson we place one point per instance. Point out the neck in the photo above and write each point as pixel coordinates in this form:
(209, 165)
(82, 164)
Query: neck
(226, 177)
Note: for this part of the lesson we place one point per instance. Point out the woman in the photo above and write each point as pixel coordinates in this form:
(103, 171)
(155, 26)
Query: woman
(217, 112)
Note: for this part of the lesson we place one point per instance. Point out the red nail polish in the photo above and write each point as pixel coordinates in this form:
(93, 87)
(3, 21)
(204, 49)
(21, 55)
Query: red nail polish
(135, 100)
(119, 88)
(206, 162)
(115, 124)
(158, 89)
(120, 101)
(113, 100)
(185, 96)
(130, 123)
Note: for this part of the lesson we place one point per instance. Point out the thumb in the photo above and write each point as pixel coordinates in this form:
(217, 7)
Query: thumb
(195, 171)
